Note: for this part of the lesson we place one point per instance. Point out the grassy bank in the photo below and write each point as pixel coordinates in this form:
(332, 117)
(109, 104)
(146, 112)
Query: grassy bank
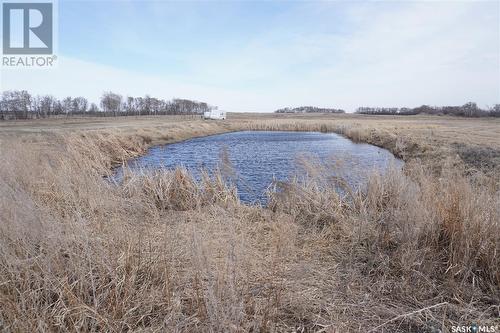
(417, 251)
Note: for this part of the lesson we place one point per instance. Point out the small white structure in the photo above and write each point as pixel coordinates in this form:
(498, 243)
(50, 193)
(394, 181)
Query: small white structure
(214, 114)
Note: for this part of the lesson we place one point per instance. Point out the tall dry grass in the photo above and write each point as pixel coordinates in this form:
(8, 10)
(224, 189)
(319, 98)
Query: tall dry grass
(396, 144)
(166, 252)
(177, 190)
(413, 241)
(469, 146)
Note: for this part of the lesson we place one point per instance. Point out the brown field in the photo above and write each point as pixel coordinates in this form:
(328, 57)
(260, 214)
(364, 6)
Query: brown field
(431, 138)
(417, 251)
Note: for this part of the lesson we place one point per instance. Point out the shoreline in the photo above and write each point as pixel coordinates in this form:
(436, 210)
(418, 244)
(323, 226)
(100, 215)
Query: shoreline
(175, 248)
(430, 139)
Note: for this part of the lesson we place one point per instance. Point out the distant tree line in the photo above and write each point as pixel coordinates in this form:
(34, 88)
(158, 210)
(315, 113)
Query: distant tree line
(22, 105)
(466, 110)
(309, 109)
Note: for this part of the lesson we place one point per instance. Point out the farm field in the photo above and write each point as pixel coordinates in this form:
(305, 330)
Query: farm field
(250, 166)
(416, 251)
(475, 140)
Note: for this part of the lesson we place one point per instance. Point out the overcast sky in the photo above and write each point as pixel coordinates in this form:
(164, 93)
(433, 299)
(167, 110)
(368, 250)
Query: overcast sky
(260, 56)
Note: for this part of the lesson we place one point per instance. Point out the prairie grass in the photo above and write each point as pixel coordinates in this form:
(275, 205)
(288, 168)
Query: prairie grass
(413, 251)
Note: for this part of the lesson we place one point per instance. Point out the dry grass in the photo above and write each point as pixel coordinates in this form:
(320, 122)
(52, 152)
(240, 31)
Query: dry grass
(414, 251)
(430, 139)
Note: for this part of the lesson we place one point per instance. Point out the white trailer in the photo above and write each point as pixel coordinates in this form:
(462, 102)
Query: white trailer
(215, 114)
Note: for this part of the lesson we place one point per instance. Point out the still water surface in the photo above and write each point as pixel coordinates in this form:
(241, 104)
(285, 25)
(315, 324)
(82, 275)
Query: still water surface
(259, 157)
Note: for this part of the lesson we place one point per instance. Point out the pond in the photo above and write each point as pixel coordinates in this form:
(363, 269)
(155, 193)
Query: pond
(259, 157)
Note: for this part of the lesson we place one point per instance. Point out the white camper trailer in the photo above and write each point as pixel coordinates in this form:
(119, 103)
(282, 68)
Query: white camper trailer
(214, 114)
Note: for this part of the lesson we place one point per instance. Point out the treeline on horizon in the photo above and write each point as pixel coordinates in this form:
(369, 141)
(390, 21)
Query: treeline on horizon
(467, 110)
(20, 104)
(309, 109)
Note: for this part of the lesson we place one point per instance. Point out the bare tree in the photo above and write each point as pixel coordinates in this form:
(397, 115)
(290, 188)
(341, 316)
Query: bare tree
(130, 106)
(47, 105)
(67, 105)
(111, 102)
(93, 108)
(19, 103)
(80, 105)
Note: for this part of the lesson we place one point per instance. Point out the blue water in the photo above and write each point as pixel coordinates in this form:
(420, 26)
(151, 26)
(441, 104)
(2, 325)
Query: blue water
(258, 158)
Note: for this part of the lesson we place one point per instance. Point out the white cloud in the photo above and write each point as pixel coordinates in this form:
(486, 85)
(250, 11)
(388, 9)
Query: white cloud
(406, 54)
(73, 77)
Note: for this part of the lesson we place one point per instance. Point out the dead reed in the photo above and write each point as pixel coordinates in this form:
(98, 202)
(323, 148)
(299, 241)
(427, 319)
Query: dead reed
(167, 252)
